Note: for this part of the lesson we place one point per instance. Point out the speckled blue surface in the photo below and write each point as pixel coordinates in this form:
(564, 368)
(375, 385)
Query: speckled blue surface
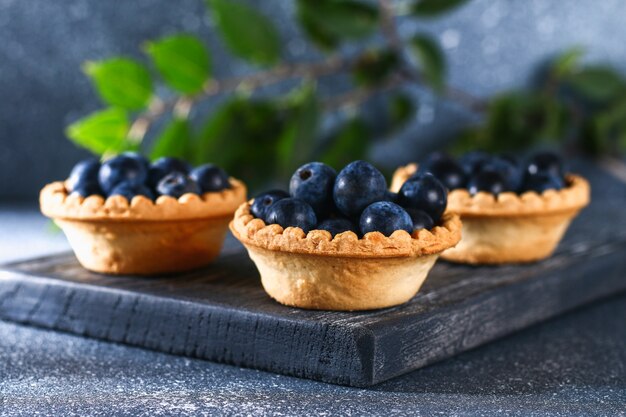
(490, 45)
(573, 365)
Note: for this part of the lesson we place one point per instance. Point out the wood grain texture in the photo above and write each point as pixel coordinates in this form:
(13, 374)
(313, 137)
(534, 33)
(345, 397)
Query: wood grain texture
(222, 314)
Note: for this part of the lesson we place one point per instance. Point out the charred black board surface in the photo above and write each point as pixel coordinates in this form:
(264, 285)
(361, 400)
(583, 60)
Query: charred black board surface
(222, 314)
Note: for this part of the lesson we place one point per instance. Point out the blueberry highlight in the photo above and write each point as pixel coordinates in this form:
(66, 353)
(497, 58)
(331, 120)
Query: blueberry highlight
(210, 178)
(121, 168)
(424, 192)
(264, 200)
(313, 183)
(292, 212)
(84, 174)
(177, 184)
(357, 186)
(386, 218)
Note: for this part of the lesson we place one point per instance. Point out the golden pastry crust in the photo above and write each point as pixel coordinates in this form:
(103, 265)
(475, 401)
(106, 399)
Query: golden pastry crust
(56, 203)
(510, 227)
(317, 271)
(254, 232)
(143, 237)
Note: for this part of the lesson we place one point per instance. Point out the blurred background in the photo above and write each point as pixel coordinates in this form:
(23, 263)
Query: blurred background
(398, 79)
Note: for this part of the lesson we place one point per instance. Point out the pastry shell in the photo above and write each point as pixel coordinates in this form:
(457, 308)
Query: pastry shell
(143, 237)
(317, 271)
(510, 228)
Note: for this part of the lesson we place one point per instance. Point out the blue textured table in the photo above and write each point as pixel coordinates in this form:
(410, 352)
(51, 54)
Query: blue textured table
(573, 365)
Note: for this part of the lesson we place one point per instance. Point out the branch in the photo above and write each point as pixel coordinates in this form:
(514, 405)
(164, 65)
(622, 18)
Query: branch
(388, 25)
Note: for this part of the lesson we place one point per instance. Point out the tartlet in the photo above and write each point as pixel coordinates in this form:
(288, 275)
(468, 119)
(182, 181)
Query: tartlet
(316, 271)
(510, 227)
(143, 237)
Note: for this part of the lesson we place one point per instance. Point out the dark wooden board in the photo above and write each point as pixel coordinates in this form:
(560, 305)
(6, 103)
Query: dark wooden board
(222, 313)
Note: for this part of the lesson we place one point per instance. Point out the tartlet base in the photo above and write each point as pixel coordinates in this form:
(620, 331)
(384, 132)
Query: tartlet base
(142, 237)
(509, 228)
(316, 271)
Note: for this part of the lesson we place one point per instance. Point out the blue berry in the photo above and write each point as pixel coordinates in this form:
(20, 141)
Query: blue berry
(336, 226)
(420, 219)
(292, 212)
(313, 183)
(85, 172)
(386, 218)
(165, 166)
(424, 192)
(472, 161)
(176, 184)
(118, 169)
(542, 182)
(510, 172)
(489, 181)
(129, 190)
(546, 163)
(264, 200)
(447, 170)
(357, 186)
(85, 189)
(140, 158)
(210, 178)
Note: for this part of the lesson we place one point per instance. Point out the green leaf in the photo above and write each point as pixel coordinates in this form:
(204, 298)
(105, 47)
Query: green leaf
(328, 22)
(374, 67)
(241, 137)
(249, 34)
(431, 60)
(183, 61)
(566, 62)
(349, 143)
(401, 109)
(174, 140)
(431, 8)
(101, 132)
(598, 83)
(297, 141)
(121, 82)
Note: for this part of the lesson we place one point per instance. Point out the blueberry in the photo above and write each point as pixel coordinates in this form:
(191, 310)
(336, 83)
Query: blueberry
(85, 189)
(421, 219)
(390, 196)
(489, 181)
(176, 184)
(85, 172)
(545, 163)
(210, 178)
(472, 161)
(130, 190)
(140, 158)
(118, 169)
(336, 226)
(357, 186)
(447, 170)
(164, 166)
(313, 183)
(292, 212)
(424, 192)
(511, 173)
(264, 200)
(386, 218)
(542, 182)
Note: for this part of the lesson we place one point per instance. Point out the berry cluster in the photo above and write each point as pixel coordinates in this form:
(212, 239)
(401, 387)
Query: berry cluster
(356, 199)
(130, 174)
(478, 171)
